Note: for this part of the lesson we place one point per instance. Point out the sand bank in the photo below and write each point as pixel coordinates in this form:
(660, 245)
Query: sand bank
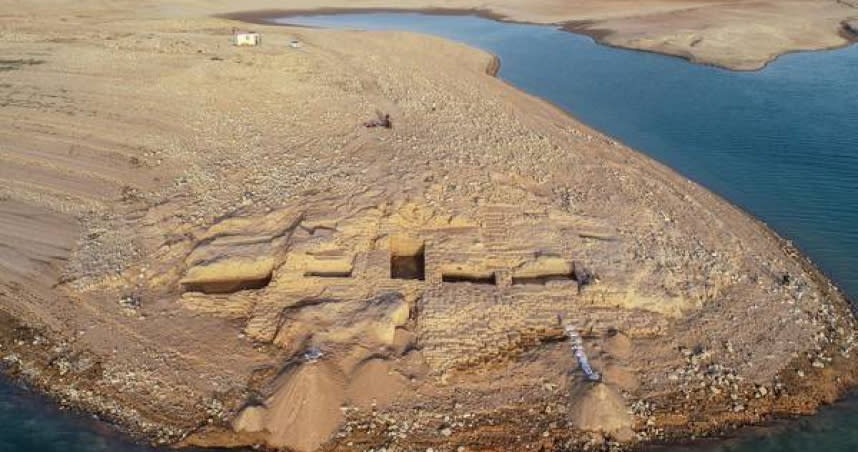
(734, 34)
(196, 234)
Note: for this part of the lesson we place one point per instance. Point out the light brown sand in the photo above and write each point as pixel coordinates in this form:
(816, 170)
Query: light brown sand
(140, 149)
(735, 34)
(305, 408)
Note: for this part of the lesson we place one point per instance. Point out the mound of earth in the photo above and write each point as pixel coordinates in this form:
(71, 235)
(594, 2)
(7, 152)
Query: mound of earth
(601, 408)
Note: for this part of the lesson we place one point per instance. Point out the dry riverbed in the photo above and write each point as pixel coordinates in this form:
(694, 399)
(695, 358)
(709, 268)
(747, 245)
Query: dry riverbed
(205, 245)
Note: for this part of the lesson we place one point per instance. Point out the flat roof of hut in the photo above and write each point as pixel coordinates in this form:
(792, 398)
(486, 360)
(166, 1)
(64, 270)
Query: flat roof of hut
(246, 38)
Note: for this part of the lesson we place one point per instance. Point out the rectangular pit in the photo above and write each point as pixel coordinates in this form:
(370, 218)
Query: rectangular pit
(542, 279)
(226, 286)
(329, 266)
(328, 274)
(473, 278)
(543, 270)
(407, 259)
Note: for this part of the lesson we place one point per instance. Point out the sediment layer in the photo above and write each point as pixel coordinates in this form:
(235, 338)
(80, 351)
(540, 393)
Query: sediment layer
(206, 245)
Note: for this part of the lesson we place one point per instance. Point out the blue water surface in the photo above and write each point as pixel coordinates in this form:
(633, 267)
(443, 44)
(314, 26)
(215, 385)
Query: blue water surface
(31, 423)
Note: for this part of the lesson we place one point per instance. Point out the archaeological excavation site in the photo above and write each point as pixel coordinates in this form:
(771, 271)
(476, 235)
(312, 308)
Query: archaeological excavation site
(368, 306)
(207, 245)
(393, 309)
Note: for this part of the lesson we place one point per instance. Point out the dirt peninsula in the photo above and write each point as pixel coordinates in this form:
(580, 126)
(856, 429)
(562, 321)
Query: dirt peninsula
(206, 245)
(734, 34)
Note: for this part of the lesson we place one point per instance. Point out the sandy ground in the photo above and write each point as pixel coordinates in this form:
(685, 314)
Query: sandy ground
(735, 34)
(198, 243)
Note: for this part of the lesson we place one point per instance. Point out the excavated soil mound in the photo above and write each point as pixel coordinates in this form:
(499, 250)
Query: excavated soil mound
(601, 408)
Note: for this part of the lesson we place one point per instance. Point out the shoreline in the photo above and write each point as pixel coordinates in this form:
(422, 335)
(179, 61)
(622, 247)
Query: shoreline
(28, 367)
(264, 17)
(46, 406)
(599, 35)
(580, 27)
(52, 377)
(126, 424)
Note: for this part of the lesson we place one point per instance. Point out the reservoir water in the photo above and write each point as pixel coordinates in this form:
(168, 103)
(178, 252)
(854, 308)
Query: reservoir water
(781, 142)
(30, 423)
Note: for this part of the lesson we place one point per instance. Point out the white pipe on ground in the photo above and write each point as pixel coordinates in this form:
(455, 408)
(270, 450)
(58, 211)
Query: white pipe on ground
(580, 355)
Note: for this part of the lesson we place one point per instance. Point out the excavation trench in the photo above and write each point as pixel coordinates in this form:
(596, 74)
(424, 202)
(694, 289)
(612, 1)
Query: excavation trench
(542, 279)
(329, 274)
(473, 278)
(407, 259)
(227, 286)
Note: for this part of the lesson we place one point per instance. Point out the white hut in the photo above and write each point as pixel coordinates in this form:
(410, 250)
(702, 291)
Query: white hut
(246, 38)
